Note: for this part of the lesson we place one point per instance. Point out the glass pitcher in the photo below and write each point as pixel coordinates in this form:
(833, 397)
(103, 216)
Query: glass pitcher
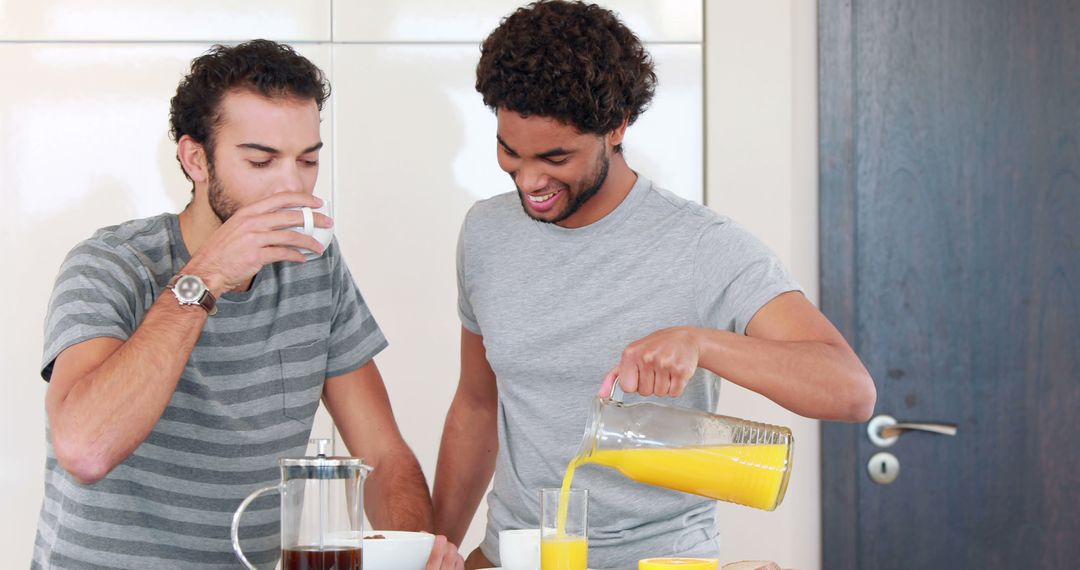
(322, 512)
(720, 457)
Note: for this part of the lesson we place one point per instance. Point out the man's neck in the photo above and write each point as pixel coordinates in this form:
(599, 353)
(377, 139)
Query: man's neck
(197, 222)
(620, 180)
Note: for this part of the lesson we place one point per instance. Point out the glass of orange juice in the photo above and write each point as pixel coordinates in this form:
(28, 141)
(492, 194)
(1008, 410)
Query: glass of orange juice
(564, 524)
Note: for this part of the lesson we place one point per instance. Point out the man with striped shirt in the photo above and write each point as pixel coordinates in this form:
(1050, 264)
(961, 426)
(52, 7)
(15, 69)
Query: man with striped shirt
(186, 353)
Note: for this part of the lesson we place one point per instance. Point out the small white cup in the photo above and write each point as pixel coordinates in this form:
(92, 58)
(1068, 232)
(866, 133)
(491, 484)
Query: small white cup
(519, 549)
(324, 235)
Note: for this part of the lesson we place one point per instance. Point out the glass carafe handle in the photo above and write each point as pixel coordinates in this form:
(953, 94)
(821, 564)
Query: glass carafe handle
(236, 524)
(616, 392)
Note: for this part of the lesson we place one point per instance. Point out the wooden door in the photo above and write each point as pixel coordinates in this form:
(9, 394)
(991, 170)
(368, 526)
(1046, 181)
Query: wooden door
(950, 226)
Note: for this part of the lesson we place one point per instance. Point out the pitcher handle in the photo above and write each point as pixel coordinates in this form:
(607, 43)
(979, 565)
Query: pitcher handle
(236, 524)
(616, 392)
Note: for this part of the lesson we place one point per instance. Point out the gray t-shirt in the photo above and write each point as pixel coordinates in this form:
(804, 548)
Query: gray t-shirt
(556, 308)
(247, 396)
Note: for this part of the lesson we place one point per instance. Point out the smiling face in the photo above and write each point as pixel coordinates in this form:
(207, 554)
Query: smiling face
(262, 146)
(560, 173)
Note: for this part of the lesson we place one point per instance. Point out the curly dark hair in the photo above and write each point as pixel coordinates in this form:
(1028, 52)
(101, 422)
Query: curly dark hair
(570, 61)
(269, 68)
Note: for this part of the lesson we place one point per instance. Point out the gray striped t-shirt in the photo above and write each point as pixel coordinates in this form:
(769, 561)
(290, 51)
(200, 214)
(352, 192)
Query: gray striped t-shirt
(247, 396)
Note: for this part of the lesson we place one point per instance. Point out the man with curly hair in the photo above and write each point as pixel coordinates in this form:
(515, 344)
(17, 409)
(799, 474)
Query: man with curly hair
(186, 353)
(590, 272)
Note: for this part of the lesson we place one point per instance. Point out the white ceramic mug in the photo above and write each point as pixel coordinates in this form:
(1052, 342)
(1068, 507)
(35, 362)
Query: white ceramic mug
(519, 549)
(324, 235)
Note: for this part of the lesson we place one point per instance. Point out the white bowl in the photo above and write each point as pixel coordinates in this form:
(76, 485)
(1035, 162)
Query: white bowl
(400, 550)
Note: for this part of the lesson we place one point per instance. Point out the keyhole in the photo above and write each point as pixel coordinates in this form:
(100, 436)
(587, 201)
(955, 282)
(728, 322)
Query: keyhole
(883, 468)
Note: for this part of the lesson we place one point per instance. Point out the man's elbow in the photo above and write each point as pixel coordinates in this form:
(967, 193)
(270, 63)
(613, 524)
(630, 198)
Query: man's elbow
(862, 400)
(82, 461)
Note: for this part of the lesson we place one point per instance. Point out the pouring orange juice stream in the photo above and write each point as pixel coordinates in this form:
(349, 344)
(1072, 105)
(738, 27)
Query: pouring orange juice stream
(751, 474)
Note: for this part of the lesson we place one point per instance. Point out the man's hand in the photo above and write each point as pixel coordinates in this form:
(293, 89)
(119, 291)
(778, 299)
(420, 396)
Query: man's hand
(787, 339)
(256, 235)
(444, 556)
(477, 560)
(658, 365)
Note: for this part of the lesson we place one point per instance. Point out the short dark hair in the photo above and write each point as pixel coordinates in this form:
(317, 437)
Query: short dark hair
(265, 67)
(570, 61)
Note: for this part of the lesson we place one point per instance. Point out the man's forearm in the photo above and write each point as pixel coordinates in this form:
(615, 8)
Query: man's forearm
(466, 464)
(396, 494)
(110, 410)
(813, 379)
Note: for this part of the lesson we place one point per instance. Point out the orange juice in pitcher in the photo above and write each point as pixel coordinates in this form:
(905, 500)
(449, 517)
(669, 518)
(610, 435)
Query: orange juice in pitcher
(720, 457)
(751, 475)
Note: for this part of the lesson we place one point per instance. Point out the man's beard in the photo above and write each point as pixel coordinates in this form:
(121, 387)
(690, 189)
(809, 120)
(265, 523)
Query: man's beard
(220, 202)
(576, 200)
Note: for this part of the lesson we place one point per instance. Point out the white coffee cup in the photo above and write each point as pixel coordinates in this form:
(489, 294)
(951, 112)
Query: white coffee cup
(324, 235)
(519, 549)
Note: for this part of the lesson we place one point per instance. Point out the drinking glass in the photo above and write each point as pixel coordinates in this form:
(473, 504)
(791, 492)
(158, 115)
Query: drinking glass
(564, 525)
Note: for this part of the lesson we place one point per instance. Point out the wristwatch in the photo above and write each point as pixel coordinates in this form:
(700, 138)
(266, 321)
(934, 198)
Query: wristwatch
(190, 290)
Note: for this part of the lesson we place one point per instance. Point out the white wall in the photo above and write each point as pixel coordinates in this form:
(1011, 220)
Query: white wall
(83, 144)
(761, 165)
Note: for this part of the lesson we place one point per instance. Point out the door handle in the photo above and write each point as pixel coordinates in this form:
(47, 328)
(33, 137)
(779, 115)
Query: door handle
(884, 430)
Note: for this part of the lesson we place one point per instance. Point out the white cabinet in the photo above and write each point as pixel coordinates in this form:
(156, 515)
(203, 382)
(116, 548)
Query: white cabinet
(470, 21)
(151, 22)
(410, 146)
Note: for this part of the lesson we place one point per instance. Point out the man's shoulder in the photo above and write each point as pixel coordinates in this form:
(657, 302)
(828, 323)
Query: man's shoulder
(495, 207)
(497, 212)
(665, 208)
(132, 247)
(138, 235)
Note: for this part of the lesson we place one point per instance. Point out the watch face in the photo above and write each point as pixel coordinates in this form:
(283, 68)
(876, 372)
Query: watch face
(188, 288)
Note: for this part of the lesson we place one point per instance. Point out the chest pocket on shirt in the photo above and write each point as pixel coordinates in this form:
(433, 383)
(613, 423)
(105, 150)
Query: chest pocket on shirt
(303, 371)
